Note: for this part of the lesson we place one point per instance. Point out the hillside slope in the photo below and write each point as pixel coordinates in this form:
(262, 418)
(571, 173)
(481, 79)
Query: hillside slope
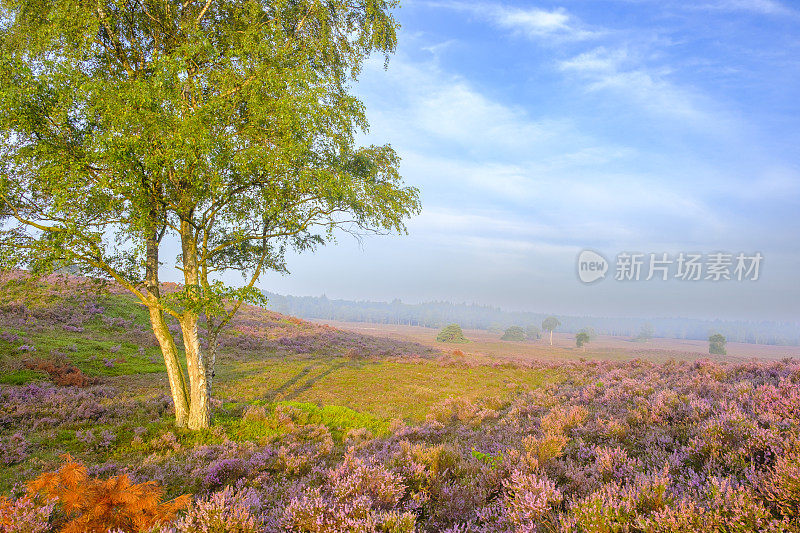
(70, 329)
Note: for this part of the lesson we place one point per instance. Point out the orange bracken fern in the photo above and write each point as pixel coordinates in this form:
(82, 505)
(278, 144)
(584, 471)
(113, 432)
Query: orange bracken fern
(94, 505)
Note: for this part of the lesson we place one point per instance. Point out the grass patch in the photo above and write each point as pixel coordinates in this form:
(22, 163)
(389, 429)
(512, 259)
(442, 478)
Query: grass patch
(385, 390)
(21, 377)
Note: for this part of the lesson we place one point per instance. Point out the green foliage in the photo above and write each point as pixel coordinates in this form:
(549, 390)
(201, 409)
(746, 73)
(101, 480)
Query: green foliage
(492, 460)
(582, 339)
(451, 333)
(229, 125)
(231, 116)
(717, 344)
(550, 323)
(514, 333)
(282, 417)
(533, 333)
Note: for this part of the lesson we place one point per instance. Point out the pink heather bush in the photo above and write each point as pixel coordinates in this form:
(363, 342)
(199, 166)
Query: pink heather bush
(226, 511)
(529, 498)
(780, 485)
(355, 477)
(13, 449)
(359, 495)
(23, 515)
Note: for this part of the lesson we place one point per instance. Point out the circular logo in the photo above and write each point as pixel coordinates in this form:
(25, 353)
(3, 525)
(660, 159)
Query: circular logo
(591, 266)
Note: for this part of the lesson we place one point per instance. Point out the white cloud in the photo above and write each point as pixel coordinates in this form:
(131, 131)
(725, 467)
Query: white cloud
(567, 205)
(428, 105)
(533, 23)
(620, 71)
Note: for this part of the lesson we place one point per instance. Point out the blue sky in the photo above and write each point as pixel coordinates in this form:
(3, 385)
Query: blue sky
(535, 130)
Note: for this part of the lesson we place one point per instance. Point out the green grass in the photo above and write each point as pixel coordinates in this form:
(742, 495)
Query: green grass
(338, 419)
(86, 350)
(20, 377)
(385, 390)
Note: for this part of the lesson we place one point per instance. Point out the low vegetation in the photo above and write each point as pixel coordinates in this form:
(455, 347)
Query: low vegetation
(321, 430)
(451, 333)
(514, 333)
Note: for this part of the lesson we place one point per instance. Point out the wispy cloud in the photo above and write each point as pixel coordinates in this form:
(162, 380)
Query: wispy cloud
(433, 108)
(465, 148)
(764, 7)
(533, 23)
(625, 73)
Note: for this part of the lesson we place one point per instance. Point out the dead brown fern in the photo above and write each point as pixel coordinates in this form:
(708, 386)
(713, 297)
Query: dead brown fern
(89, 505)
(62, 372)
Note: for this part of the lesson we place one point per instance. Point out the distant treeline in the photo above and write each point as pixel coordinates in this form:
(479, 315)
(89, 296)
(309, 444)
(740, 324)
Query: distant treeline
(472, 316)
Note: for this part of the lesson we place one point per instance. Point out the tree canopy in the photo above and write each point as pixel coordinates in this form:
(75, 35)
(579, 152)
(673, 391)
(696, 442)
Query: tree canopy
(717, 344)
(514, 333)
(532, 332)
(451, 333)
(582, 339)
(227, 125)
(549, 324)
(646, 333)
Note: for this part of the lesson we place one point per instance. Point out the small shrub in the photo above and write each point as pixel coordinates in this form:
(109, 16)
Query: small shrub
(514, 333)
(13, 449)
(25, 515)
(780, 486)
(451, 333)
(529, 498)
(226, 511)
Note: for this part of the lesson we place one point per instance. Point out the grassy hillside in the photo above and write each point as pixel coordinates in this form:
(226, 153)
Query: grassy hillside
(76, 331)
(59, 323)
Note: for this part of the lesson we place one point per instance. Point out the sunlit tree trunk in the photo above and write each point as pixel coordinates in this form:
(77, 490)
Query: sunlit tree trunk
(551, 337)
(199, 407)
(211, 357)
(177, 382)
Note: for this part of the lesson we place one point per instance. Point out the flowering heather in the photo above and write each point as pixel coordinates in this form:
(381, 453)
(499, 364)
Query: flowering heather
(226, 511)
(598, 446)
(9, 337)
(25, 515)
(630, 446)
(13, 449)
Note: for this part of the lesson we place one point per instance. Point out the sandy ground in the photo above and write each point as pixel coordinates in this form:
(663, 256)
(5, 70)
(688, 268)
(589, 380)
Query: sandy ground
(488, 344)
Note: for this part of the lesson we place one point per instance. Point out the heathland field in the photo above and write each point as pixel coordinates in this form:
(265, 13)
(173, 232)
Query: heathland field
(487, 345)
(345, 428)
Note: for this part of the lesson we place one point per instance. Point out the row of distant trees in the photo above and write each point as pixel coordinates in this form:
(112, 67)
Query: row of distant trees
(452, 333)
(472, 316)
(531, 332)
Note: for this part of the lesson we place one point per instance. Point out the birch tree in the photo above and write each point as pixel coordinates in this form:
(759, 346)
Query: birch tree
(226, 126)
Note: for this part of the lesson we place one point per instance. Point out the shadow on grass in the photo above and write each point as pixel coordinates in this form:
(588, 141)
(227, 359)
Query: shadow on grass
(293, 387)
